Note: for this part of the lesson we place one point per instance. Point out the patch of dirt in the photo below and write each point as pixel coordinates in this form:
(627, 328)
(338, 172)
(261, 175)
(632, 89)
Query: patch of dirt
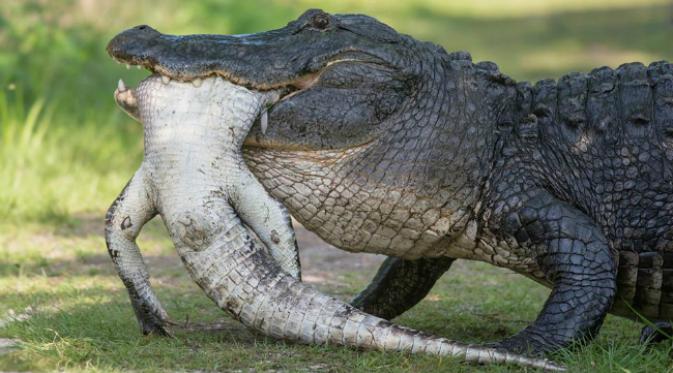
(8, 345)
(324, 263)
(320, 261)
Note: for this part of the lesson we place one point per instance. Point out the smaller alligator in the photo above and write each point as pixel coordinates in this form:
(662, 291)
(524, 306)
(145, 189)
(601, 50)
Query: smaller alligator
(381, 143)
(193, 174)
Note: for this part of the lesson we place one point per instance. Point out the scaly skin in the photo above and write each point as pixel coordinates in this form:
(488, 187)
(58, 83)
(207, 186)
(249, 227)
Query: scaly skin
(390, 145)
(193, 175)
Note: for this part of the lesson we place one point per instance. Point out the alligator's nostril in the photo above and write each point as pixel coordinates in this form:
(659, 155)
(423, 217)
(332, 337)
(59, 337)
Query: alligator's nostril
(141, 27)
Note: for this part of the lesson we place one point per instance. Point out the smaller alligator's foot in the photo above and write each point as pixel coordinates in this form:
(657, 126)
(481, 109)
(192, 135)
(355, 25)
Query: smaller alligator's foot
(131, 210)
(126, 100)
(660, 331)
(152, 317)
(153, 325)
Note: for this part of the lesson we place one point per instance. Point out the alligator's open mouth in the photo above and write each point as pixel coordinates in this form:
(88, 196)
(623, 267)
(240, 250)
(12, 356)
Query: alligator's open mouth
(126, 99)
(174, 65)
(194, 58)
(286, 88)
(334, 87)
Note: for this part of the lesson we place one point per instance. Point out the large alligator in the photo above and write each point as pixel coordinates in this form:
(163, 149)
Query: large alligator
(381, 143)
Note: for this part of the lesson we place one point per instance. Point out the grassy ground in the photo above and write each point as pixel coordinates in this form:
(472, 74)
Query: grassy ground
(66, 151)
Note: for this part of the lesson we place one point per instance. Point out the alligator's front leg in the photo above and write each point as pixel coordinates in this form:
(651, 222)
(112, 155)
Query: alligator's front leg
(400, 284)
(126, 100)
(574, 255)
(123, 222)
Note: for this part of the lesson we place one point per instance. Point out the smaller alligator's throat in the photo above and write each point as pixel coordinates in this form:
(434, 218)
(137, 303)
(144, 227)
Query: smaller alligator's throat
(186, 127)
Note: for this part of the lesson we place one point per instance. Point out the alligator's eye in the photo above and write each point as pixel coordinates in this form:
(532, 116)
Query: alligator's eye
(320, 21)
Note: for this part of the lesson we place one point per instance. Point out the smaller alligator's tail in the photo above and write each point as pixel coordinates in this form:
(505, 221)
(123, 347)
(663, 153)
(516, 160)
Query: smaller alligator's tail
(645, 285)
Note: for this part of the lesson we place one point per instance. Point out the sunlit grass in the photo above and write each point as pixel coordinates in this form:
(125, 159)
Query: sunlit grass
(51, 168)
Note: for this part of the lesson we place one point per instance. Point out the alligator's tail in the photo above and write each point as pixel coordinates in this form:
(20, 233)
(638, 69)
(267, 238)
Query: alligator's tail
(645, 285)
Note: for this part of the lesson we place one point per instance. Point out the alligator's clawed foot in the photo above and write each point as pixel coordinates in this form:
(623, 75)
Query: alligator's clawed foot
(126, 100)
(522, 346)
(658, 332)
(519, 346)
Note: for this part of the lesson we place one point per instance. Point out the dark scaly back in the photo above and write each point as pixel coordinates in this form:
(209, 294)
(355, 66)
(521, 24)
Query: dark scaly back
(603, 142)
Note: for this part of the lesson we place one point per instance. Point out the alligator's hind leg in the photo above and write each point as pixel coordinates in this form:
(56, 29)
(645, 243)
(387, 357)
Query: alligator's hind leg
(127, 215)
(574, 255)
(400, 284)
(660, 331)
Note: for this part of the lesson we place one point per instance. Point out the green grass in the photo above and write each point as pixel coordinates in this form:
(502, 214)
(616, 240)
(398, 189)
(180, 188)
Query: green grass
(80, 318)
(66, 151)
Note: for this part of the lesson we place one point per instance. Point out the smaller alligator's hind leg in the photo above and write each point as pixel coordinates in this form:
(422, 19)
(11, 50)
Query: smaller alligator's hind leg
(127, 215)
(399, 285)
(658, 332)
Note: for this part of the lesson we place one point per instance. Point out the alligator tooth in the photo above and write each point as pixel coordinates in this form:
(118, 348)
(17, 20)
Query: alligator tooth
(128, 67)
(197, 82)
(165, 79)
(121, 87)
(264, 121)
(138, 67)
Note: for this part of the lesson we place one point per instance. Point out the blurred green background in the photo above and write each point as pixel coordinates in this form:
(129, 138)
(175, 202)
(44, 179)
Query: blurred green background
(66, 151)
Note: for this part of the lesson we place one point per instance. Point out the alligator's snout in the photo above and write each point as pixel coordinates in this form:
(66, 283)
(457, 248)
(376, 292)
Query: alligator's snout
(135, 39)
(254, 61)
(267, 60)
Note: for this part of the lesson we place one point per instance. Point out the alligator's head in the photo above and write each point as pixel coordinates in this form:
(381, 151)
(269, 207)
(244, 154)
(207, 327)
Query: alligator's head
(341, 76)
(366, 117)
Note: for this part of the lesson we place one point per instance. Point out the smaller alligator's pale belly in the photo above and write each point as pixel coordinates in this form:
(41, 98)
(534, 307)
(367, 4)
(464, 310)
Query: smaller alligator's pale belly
(349, 211)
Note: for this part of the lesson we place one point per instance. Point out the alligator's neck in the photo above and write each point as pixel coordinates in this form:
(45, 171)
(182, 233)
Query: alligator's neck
(413, 190)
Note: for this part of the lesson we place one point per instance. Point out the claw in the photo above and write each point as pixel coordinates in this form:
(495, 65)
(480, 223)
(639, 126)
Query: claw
(121, 87)
(264, 121)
